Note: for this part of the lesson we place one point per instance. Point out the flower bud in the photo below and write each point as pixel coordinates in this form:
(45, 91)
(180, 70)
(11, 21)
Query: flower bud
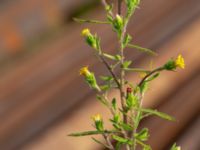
(85, 32)
(98, 122)
(118, 24)
(170, 65)
(119, 19)
(178, 148)
(84, 71)
(90, 39)
(129, 90)
(90, 78)
(175, 147)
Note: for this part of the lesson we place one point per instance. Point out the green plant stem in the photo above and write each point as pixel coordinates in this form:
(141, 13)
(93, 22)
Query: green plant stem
(105, 5)
(140, 106)
(122, 74)
(109, 143)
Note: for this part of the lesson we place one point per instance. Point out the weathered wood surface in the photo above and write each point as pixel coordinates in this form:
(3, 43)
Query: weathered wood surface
(44, 92)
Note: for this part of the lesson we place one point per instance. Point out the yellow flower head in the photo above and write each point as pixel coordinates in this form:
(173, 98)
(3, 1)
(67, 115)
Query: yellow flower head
(97, 118)
(178, 148)
(84, 71)
(85, 32)
(180, 62)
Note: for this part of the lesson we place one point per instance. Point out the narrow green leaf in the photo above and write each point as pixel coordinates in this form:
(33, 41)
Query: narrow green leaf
(106, 78)
(105, 87)
(145, 146)
(114, 103)
(118, 57)
(112, 57)
(142, 49)
(142, 135)
(90, 21)
(126, 127)
(144, 87)
(159, 114)
(126, 64)
(118, 146)
(137, 118)
(121, 139)
(86, 133)
(102, 100)
(126, 41)
(137, 70)
(153, 77)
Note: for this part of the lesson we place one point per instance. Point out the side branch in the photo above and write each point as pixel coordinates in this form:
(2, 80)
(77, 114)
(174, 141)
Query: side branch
(105, 4)
(110, 70)
(149, 74)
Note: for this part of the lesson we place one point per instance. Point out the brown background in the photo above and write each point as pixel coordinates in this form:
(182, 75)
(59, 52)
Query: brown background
(42, 97)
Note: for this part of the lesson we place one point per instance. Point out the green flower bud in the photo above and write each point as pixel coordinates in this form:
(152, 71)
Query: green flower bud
(173, 64)
(131, 100)
(90, 78)
(175, 147)
(90, 39)
(170, 65)
(118, 24)
(98, 122)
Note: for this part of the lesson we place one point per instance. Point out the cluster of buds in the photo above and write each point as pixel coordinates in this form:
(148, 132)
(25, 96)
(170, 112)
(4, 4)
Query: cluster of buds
(177, 63)
(131, 99)
(92, 40)
(89, 78)
(98, 122)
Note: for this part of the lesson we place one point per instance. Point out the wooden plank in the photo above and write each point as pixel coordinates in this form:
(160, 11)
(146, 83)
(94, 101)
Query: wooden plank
(190, 138)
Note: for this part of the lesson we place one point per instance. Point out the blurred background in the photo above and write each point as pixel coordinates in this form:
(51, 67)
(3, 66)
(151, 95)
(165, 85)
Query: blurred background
(42, 96)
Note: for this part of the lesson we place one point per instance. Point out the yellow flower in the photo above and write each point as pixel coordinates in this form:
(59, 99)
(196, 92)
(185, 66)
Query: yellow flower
(180, 62)
(85, 32)
(84, 71)
(178, 148)
(97, 118)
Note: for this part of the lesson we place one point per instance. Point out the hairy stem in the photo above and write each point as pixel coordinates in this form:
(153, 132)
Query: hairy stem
(109, 143)
(122, 75)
